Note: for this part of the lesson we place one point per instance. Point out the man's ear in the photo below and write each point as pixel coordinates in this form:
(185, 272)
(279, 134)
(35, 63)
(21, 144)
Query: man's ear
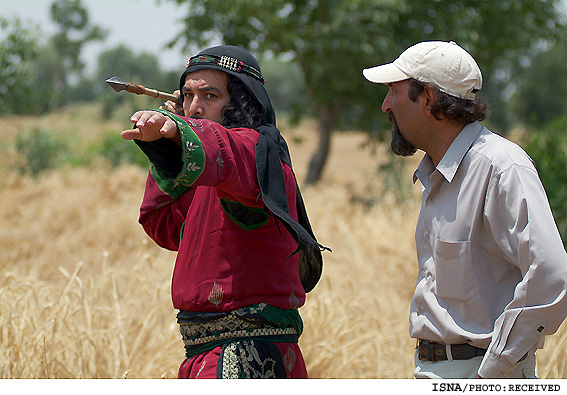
(429, 96)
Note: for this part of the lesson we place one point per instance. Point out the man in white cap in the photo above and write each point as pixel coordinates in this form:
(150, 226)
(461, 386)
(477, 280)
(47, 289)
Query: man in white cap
(492, 274)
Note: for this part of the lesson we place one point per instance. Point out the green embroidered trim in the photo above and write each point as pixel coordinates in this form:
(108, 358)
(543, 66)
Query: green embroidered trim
(248, 218)
(171, 187)
(181, 232)
(193, 157)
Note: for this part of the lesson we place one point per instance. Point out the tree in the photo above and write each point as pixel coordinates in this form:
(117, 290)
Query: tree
(333, 40)
(285, 85)
(141, 68)
(541, 95)
(18, 48)
(34, 74)
(503, 37)
(74, 31)
(548, 149)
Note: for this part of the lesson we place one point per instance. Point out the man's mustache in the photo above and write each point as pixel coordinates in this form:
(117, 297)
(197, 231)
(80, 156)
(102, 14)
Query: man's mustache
(391, 117)
(400, 146)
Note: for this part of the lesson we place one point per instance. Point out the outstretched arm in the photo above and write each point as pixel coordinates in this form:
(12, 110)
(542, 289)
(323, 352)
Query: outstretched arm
(151, 126)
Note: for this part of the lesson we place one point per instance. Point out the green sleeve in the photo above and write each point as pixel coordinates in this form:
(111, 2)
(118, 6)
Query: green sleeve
(192, 158)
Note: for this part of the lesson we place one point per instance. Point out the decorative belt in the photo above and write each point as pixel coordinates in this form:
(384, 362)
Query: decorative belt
(431, 351)
(228, 327)
(205, 331)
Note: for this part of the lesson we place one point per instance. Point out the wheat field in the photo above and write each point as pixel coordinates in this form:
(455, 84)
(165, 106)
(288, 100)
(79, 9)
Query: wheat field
(84, 293)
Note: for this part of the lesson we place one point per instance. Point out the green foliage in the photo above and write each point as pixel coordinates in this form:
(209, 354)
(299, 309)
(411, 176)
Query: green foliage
(548, 148)
(118, 151)
(18, 48)
(45, 73)
(74, 31)
(333, 40)
(34, 75)
(395, 182)
(286, 86)
(542, 92)
(141, 68)
(41, 150)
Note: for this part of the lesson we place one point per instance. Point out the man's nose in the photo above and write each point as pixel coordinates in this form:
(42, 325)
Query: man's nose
(386, 107)
(195, 109)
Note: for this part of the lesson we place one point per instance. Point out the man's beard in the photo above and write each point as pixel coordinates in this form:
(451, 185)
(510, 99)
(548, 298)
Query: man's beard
(400, 146)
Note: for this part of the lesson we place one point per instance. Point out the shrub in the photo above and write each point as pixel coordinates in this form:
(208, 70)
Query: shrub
(547, 147)
(40, 150)
(118, 151)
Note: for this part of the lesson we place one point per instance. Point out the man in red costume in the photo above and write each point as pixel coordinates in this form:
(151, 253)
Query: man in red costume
(221, 191)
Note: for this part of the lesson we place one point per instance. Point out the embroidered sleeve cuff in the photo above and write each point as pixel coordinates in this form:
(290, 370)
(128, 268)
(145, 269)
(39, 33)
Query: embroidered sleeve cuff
(192, 161)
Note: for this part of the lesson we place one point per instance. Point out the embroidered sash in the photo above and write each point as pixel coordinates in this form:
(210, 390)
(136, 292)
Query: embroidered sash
(203, 331)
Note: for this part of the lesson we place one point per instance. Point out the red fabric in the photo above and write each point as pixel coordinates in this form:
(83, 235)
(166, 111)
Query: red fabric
(221, 266)
(204, 365)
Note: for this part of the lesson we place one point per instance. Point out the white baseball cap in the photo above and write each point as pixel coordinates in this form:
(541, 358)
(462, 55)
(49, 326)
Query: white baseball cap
(444, 64)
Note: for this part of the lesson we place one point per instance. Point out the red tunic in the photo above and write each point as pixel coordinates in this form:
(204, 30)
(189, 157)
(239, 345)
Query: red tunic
(224, 262)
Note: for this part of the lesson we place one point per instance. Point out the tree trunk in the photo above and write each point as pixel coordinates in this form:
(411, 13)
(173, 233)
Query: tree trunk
(317, 163)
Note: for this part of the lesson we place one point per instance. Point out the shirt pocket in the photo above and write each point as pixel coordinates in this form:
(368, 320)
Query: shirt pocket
(453, 270)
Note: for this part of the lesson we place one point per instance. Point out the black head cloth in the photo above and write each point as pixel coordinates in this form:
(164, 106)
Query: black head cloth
(270, 149)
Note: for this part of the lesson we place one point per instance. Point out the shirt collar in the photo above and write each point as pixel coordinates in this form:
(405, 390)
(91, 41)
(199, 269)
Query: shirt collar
(454, 155)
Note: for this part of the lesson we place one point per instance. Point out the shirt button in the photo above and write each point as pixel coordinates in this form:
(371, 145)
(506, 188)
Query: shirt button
(502, 374)
(427, 236)
(431, 200)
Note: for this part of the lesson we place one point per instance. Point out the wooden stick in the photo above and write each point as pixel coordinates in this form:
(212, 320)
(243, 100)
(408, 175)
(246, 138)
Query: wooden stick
(118, 85)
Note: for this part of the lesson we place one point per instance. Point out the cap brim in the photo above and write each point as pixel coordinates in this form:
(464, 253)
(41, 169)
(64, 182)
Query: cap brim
(384, 74)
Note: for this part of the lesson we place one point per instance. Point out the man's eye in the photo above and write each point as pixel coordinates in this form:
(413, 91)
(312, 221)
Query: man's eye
(210, 96)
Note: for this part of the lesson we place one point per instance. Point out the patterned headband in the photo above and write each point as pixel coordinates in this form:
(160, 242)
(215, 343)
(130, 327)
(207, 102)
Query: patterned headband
(226, 62)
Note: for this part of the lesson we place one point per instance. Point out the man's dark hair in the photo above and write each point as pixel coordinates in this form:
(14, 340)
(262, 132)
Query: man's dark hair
(451, 107)
(243, 111)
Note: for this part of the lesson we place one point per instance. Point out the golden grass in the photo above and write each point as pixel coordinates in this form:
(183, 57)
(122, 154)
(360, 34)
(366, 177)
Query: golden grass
(85, 294)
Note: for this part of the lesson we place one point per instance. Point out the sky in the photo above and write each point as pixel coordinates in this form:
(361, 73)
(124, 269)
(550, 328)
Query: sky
(142, 25)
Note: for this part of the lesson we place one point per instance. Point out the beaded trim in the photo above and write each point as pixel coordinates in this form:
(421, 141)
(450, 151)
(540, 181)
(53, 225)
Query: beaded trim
(226, 62)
